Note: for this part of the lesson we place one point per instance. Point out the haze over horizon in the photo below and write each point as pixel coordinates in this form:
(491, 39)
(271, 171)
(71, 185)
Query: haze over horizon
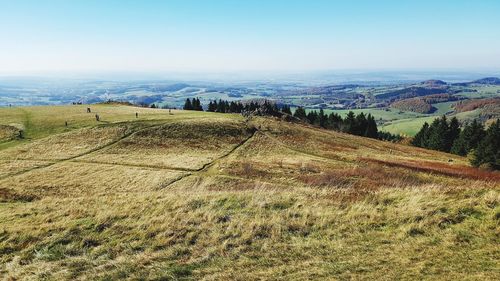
(247, 37)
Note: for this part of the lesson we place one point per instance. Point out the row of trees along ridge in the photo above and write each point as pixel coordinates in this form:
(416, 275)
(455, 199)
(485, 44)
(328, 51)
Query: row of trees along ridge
(482, 146)
(361, 124)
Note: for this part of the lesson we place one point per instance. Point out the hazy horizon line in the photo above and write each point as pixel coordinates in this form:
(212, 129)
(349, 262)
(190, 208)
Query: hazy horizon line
(159, 74)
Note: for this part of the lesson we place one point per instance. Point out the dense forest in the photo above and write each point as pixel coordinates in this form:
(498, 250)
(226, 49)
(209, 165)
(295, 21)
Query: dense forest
(482, 145)
(361, 124)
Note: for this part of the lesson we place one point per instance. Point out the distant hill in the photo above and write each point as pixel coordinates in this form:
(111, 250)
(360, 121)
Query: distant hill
(488, 81)
(483, 81)
(422, 104)
(169, 88)
(411, 92)
(434, 83)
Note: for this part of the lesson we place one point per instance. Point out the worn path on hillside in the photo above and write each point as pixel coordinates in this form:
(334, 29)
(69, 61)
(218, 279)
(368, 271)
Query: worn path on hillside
(125, 136)
(206, 166)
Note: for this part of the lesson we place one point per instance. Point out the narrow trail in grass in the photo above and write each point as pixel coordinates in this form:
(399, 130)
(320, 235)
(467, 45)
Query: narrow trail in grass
(125, 136)
(206, 166)
(134, 165)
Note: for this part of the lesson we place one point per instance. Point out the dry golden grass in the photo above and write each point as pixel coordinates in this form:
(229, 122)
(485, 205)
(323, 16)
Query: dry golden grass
(70, 179)
(8, 133)
(180, 145)
(65, 145)
(347, 147)
(9, 167)
(202, 196)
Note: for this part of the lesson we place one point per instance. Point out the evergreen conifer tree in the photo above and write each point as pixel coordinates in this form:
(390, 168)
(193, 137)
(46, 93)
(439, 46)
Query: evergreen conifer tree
(212, 107)
(371, 127)
(335, 121)
(300, 113)
(188, 105)
(360, 124)
(322, 118)
(286, 109)
(452, 134)
(468, 139)
(349, 124)
(312, 117)
(487, 152)
(438, 134)
(422, 136)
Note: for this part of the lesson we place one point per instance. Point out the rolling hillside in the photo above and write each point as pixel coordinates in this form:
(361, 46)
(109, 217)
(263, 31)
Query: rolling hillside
(196, 195)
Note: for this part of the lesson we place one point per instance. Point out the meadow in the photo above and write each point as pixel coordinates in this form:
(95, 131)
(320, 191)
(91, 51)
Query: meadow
(197, 195)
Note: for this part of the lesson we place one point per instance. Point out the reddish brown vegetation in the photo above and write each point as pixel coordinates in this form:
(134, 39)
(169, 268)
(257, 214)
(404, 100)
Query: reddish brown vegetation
(422, 104)
(8, 195)
(440, 168)
(415, 105)
(469, 105)
(368, 178)
(438, 98)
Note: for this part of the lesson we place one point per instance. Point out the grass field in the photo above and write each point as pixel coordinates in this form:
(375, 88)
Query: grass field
(396, 121)
(483, 92)
(411, 126)
(443, 107)
(389, 114)
(198, 195)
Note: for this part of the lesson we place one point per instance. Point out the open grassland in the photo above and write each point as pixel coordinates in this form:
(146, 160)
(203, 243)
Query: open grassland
(42, 121)
(482, 91)
(215, 196)
(412, 125)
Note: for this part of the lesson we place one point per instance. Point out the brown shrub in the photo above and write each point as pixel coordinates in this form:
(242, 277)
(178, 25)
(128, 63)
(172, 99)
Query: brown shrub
(247, 168)
(440, 168)
(368, 177)
(309, 168)
(8, 195)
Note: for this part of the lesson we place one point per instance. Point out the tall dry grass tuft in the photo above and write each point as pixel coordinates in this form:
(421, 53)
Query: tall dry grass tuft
(370, 177)
(440, 168)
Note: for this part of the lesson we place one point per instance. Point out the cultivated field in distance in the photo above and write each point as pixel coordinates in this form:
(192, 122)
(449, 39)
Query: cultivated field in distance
(189, 195)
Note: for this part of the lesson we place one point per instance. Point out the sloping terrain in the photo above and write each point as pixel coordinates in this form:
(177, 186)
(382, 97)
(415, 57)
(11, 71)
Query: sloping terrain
(210, 196)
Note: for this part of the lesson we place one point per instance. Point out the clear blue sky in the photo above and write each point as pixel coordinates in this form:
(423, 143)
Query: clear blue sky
(245, 35)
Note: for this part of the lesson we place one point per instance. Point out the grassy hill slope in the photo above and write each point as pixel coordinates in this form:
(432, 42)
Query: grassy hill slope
(197, 195)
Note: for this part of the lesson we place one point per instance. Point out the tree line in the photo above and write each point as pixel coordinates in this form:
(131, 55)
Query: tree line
(360, 124)
(224, 106)
(193, 104)
(483, 145)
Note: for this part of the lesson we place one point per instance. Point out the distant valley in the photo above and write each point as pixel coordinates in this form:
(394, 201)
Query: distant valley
(400, 107)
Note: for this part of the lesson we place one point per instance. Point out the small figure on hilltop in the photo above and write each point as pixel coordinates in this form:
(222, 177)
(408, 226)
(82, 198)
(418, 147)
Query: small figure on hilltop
(88, 110)
(21, 134)
(66, 123)
(97, 117)
(136, 115)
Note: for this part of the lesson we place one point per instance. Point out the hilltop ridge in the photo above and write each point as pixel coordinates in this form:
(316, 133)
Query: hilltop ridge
(193, 195)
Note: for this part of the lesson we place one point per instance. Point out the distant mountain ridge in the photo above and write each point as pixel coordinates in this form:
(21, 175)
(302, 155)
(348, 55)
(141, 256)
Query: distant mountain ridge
(488, 81)
(484, 81)
(434, 83)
